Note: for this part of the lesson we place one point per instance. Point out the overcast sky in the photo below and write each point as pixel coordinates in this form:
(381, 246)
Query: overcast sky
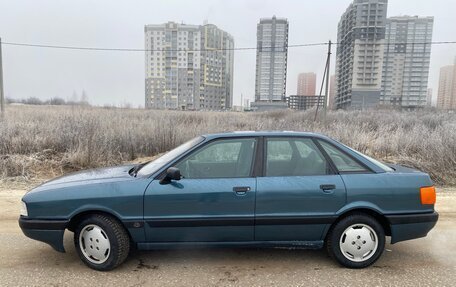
(118, 77)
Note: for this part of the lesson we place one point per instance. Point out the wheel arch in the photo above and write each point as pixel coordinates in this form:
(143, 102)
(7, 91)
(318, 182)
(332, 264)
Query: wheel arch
(80, 215)
(376, 214)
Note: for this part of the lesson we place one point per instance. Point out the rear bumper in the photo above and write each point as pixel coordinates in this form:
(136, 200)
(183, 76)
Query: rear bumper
(47, 231)
(411, 226)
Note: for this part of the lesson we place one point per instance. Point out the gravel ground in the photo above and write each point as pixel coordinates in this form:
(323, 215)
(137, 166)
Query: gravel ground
(429, 261)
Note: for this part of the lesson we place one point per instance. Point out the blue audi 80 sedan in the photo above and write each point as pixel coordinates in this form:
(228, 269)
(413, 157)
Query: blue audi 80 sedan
(240, 189)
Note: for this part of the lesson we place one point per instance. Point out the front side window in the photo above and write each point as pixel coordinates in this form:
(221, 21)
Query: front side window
(294, 157)
(343, 162)
(228, 158)
(158, 163)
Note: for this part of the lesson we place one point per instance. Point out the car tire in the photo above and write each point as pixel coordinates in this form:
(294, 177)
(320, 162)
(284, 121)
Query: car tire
(101, 242)
(356, 241)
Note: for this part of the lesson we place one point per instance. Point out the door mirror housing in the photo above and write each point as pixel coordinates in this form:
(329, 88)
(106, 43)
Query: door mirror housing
(172, 173)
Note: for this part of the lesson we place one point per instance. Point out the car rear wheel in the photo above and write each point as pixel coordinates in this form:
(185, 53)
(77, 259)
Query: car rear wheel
(102, 242)
(356, 241)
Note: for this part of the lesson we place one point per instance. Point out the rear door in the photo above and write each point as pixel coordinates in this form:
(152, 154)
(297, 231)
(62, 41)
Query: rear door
(299, 192)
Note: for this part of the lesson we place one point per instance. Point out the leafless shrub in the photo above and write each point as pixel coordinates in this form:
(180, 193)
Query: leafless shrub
(81, 137)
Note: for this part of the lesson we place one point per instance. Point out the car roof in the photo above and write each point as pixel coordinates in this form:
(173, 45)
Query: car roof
(263, 133)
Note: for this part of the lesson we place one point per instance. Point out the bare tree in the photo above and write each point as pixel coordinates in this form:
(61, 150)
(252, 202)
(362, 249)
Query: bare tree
(84, 98)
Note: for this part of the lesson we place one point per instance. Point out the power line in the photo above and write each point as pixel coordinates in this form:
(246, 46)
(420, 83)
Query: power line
(398, 43)
(213, 49)
(148, 50)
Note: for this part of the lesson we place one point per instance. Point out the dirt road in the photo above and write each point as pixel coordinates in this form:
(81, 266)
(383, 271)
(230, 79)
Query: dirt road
(430, 261)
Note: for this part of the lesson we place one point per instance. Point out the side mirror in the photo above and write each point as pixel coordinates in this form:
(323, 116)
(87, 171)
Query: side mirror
(172, 173)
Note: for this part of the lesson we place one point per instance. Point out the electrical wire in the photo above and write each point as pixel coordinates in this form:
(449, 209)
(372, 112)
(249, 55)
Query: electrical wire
(212, 49)
(148, 50)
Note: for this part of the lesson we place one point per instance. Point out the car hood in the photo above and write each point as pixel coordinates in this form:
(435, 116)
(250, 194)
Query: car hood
(116, 172)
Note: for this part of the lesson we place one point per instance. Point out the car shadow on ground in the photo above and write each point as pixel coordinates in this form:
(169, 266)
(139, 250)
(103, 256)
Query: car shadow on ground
(255, 259)
(149, 260)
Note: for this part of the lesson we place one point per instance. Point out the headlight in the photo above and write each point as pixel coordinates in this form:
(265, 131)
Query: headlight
(23, 209)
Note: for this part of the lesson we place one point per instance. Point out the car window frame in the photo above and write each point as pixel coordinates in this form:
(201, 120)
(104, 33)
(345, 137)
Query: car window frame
(252, 173)
(333, 169)
(367, 170)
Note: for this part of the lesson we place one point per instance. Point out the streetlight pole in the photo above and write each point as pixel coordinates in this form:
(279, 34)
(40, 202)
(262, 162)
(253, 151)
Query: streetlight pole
(2, 96)
(242, 103)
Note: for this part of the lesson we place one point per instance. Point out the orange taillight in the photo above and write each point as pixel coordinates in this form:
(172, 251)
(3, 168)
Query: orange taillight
(427, 195)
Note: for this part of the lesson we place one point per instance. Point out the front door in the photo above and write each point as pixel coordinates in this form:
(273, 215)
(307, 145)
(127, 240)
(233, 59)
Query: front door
(214, 201)
(299, 194)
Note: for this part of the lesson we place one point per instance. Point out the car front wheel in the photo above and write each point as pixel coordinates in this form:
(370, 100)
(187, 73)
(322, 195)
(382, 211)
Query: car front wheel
(356, 241)
(102, 242)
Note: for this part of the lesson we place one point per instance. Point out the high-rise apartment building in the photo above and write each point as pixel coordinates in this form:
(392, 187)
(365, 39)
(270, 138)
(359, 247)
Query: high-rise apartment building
(359, 56)
(271, 60)
(188, 67)
(306, 84)
(406, 61)
(446, 98)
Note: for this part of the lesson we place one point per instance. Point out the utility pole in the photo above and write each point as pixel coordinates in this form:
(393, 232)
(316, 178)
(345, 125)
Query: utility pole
(2, 96)
(325, 104)
(325, 77)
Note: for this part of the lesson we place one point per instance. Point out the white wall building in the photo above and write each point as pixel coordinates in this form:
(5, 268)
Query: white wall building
(359, 56)
(406, 61)
(188, 67)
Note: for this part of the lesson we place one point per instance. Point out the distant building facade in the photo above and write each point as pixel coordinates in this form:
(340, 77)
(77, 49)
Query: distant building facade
(298, 102)
(406, 61)
(188, 67)
(271, 61)
(359, 55)
(306, 84)
(446, 98)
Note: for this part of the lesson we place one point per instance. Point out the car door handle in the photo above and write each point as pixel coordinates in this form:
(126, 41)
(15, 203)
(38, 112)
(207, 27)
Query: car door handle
(327, 187)
(241, 190)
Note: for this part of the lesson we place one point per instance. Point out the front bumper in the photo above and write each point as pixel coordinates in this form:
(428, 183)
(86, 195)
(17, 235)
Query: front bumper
(411, 226)
(47, 231)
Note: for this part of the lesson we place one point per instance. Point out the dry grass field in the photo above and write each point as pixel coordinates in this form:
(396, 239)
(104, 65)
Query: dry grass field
(50, 140)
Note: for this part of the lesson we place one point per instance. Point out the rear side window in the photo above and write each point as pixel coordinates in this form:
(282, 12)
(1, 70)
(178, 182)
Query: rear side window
(294, 157)
(343, 162)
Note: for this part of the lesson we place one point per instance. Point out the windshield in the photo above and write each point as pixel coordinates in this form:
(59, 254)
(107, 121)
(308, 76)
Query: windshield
(155, 165)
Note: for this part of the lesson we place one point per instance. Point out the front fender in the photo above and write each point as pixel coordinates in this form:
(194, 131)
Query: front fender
(94, 208)
(133, 224)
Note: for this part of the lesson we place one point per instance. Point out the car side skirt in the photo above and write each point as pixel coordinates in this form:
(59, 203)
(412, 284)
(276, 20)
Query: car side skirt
(240, 221)
(236, 244)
